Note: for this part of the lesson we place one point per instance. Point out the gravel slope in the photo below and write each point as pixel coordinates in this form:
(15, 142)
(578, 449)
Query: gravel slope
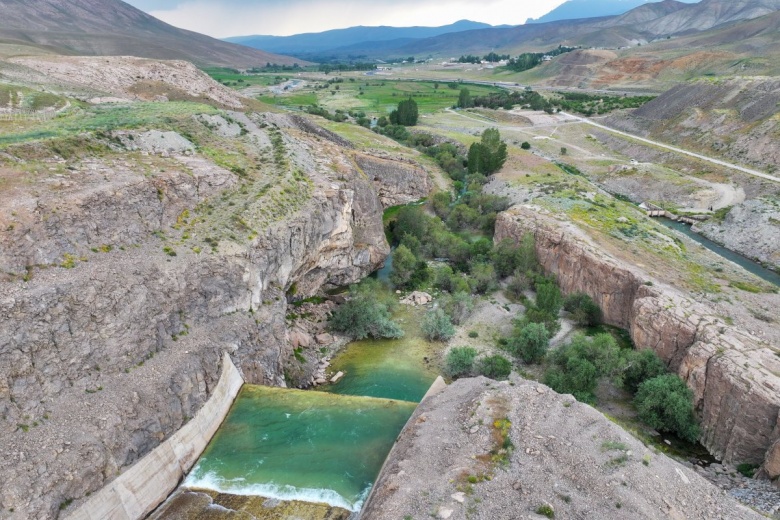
(567, 456)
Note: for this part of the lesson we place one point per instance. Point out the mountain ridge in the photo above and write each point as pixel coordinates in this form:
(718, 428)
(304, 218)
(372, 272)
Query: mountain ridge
(325, 41)
(112, 27)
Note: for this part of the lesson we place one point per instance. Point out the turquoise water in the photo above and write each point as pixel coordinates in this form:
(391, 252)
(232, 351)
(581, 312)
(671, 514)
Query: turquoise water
(301, 445)
(747, 264)
(392, 369)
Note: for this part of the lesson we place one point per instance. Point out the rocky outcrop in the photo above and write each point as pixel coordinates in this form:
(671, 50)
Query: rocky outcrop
(735, 376)
(107, 351)
(134, 78)
(482, 449)
(393, 177)
(751, 229)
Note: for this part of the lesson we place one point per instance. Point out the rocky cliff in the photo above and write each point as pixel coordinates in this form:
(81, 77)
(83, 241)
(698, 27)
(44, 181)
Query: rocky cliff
(735, 376)
(127, 274)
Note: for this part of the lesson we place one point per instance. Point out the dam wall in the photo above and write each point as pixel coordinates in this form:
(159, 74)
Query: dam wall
(145, 485)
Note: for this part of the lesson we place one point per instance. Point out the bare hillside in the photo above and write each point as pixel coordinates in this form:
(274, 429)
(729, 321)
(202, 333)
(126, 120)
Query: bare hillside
(111, 28)
(736, 119)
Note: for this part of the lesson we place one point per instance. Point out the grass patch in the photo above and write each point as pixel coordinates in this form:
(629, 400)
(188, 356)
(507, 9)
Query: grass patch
(746, 286)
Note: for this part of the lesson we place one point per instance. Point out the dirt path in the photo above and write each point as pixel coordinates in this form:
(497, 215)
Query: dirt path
(742, 169)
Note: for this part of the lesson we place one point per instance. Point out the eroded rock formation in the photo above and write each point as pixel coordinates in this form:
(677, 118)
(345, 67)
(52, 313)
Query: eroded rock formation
(735, 376)
(113, 324)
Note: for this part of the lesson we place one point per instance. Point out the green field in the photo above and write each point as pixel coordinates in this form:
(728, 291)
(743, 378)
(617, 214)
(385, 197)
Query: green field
(374, 96)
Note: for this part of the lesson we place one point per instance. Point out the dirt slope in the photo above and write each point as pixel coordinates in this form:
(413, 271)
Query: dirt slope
(566, 457)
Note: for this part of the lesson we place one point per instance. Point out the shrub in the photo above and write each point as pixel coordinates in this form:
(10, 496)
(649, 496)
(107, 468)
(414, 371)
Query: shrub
(526, 145)
(529, 342)
(460, 361)
(641, 365)
(495, 367)
(584, 310)
(436, 325)
(363, 315)
(404, 263)
(666, 404)
(517, 285)
(458, 307)
(577, 367)
(483, 278)
(548, 297)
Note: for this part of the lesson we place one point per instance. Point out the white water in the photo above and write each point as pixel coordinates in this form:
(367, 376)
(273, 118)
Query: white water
(211, 481)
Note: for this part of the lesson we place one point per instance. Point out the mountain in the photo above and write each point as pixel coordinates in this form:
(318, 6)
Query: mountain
(647, 13)
(648, 22)
(710, 13)
(112, 28)
(323, 42)
(575, 9)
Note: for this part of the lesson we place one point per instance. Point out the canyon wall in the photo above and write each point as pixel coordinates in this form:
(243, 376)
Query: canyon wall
(735, 376)
(139, 490)
(105, 352)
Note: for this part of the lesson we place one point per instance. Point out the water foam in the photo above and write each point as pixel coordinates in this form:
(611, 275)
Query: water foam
(214, 482)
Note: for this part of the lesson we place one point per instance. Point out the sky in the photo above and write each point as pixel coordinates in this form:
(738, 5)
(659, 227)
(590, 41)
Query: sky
(223, 18)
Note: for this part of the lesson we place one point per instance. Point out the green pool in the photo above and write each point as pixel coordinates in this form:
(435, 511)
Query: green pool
(299, 445)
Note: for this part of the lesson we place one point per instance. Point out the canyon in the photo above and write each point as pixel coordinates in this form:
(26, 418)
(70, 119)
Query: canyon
(111, 340)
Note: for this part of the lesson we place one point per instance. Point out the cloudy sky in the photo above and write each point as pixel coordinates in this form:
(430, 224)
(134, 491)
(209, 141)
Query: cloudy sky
(221, 18)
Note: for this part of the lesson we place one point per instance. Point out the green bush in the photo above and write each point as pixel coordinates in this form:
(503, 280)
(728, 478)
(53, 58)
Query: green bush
(495, 367)
(641, 365)
(364, 315)
(483, 278)
(583, 309)
(529, 342)
(666, 404)
(460, 361)
(548, 297)
(577, 367)
(436, 325)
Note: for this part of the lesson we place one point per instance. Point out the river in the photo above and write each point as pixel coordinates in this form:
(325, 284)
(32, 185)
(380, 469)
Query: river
(744, 262)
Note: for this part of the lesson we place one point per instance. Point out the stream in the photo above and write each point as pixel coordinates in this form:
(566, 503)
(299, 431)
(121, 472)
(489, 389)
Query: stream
(744, 262)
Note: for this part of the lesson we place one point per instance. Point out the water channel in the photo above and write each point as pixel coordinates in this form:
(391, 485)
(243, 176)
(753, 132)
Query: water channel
(747, 264)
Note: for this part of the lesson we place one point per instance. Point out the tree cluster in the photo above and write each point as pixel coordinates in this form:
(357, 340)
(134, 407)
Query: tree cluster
(489, 154)
(406, 114)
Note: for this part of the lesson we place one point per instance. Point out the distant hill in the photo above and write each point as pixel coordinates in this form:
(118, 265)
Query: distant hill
(576, 9)
(371, 38)
(648, 22)
(112, 28)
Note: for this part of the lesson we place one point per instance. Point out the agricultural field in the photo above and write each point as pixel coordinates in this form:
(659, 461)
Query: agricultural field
(374, 96)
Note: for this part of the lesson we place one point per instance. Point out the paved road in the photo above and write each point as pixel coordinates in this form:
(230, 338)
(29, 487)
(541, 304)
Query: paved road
(742, 169)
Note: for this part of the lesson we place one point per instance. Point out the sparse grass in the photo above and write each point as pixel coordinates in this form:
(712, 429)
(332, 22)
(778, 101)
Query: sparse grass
(613, 446)
(746, 286)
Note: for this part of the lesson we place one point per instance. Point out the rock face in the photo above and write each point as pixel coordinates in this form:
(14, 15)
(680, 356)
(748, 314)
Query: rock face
(761, 217)
(735, 377)
(106, 351)
(393, 179)
(565, 457)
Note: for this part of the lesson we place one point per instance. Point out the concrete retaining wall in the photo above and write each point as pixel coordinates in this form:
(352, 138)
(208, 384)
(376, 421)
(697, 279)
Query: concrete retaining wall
(140, 489)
